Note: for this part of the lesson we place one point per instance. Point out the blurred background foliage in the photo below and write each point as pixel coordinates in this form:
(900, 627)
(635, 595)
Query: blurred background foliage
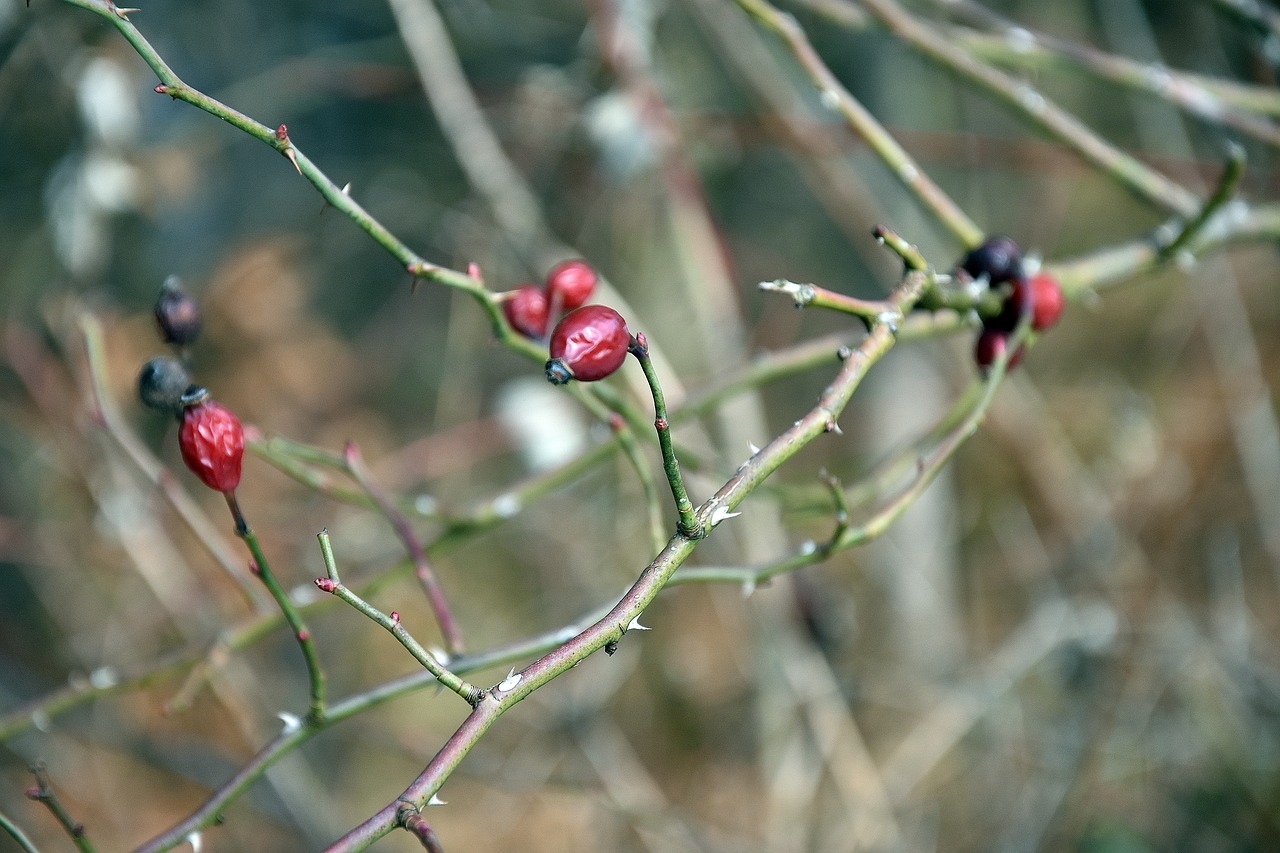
(1069, 643)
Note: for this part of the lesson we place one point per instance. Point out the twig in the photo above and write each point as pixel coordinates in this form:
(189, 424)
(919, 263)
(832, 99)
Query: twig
(1222, 194)
(17, 834)
(315, 674)
(449, 629)
(334, 586)
(42, 792)
(835, 96)
(1141, 180)
(631, 449)
(690, 525)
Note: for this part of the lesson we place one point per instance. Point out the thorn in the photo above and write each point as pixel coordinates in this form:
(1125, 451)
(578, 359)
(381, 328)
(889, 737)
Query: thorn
(291, 722)
(748, 587)
(509, 683)
(721, 513)
(441, 656)
(436, 801)
(636, 626)
(125, 13)
(194, 840)
(753, 448)
(346, 190)
(293, 158)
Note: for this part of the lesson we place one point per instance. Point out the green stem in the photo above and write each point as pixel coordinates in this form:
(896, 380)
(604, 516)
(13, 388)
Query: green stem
(838, 98)
(291, 615)
(333, 585)
(16, 834)
(43, 793)
(690, 526)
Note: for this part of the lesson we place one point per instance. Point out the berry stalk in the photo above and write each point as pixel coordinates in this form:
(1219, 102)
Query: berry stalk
(690, 526)
(260, 567)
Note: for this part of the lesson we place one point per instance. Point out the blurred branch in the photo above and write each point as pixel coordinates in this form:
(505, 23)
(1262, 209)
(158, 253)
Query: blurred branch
(1213, 100)
(42, 792)
(836, 97)
(449, 629)
(1143, 181)
(17, 834)
(153, 470)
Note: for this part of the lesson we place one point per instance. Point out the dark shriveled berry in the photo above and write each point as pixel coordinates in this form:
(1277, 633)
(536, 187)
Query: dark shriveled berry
(527, 311)
(212, 443)
(570, 284)
(177, 314)
(998, 258)
(162, 382)
(587, 344)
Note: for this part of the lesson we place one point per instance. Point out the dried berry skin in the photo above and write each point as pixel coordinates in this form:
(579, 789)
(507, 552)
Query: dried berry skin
(998, 258)
(1047, 302)
(527, 311)
(177, 314)
(588, 344)
(570, 284)
(162, 382)
(212, 443)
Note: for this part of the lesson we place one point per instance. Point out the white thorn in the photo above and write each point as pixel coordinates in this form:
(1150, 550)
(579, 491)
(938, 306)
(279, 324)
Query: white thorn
(436, 801)
(441, 656)
(291, 722)
(748, 587)
(40, 720)
(720, 514)
(808, 548)
(636, 626)
(347, 189)
(194, 840)
(754, 449)
(509, 683)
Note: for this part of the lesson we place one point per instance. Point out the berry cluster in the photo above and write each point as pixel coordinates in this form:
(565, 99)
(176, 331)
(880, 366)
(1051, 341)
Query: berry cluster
(998, 261)
(529, 308)
(211, 437)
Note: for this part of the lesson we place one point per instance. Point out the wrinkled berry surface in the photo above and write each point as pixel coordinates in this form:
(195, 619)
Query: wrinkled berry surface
(588, 344)
(570, 284)
(212, 443)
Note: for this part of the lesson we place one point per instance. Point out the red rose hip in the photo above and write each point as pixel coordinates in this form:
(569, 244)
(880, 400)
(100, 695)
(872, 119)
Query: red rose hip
(527, 310)
(588, 344)
(1047, 302)
(212, 443)
(570, 284)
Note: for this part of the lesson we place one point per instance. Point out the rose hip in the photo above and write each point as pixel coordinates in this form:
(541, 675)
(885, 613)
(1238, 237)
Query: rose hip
(527, 310)
(588, 344)
(212, 443)
(570, 284)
